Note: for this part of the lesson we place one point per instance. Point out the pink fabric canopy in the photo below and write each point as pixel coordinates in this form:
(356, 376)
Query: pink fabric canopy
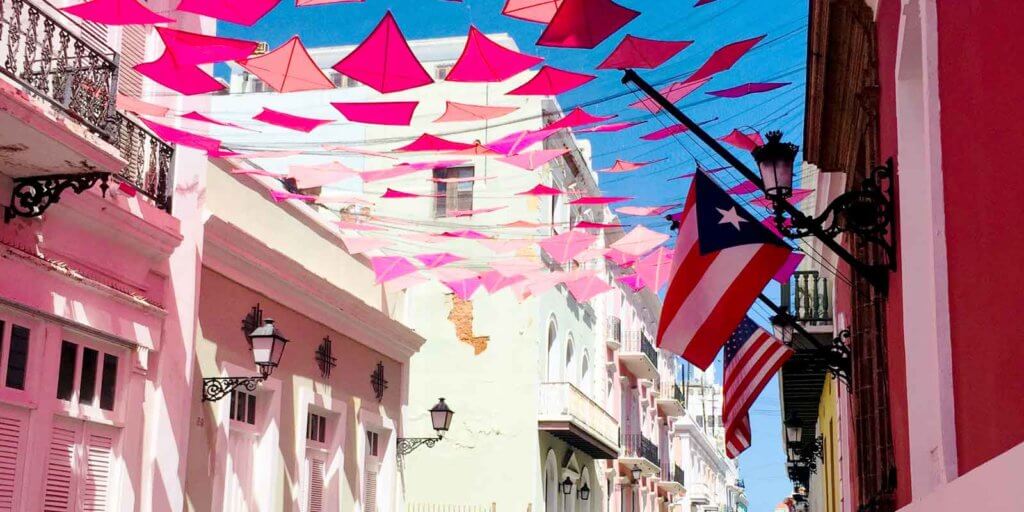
(627, 166)
(457, 112)
(578, 117)
(666, 132)
(308, 3)
(435, 260)
(243, 12)
(748, 88)
(193, 48)
(639, 53)
(288, 68)
(585, 23)
(645, 211)
(391, 113)
(405, 282)
(483, 60)
(384, 61)
(428, 142)
(140, 107)
(744, 188)
(362, 244)
(357, 226)
(186, 79)
(799, 194)
(391, 193)
(595, 200)
(540, 11)
(387, 268)
(639, 241)
(632, 281)
(610, 127)
(620, 258)
(181, 137)
(517, 142)
(541, 190)
(289, 121)
(673, 93)
(531, 160)
(387, 174)
(493, 281)
(586, 224)
(587, 288)
(281, 195)
(789, 267)
(565, 246)
(655, 268)
(468, 234)
(724, 58)
(196, 116)
(745, 141)
(702, 2)
(474, 211)
(311, 176)
(550, 81)
(464, 288)
(116, 12)
(358, 151)
(505, 245)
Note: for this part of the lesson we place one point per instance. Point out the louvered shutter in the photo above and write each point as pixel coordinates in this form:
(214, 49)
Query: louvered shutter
(98, 469)
(12, 424)
(133, 51)
(95, 34)
(59, 492)
(315, 485)
(370, 491)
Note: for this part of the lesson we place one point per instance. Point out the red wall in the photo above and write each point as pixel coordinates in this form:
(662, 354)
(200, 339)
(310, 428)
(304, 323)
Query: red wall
(981, 72)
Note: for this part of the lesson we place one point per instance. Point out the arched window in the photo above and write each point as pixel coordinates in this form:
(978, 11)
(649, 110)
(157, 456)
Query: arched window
(553, 360)
(551, 483)
(570, 361)
(585, 376)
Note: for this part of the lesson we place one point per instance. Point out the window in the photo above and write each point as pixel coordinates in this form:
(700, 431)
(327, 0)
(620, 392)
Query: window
(316, 427)
(243, 407)
(372, 439)
(96, 371)
(14, 341)
(453, 188)
(371, 470)
(337, 79)
(442, 70)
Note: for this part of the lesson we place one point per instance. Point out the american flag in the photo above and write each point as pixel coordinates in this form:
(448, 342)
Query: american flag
(723, 258)
(752, 357)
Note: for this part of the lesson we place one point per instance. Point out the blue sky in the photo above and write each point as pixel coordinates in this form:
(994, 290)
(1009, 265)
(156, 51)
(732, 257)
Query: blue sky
(781, 57)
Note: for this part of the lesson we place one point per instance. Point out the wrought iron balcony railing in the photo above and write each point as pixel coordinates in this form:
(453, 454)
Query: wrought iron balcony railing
(637, 445)
(678, 476)
(806, 296)
(563, 400)
(636, 341)
(45, 52)
(671, 390)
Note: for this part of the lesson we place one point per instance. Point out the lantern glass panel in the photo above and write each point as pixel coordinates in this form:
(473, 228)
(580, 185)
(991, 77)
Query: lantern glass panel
(441, 417)
(567, 486)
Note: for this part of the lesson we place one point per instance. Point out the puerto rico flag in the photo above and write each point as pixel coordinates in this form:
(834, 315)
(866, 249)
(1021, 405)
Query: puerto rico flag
(723, 258)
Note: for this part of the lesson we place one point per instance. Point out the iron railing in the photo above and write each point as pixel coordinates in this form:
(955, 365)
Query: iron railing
(672, 391)
(636, 341)
(678, 476)
(806, 296)
(637, 445)
(45, 52)
(563, 400)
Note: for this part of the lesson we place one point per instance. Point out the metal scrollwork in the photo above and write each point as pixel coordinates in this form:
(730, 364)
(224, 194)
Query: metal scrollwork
(837, 357)
(33, 195)
(215, 388)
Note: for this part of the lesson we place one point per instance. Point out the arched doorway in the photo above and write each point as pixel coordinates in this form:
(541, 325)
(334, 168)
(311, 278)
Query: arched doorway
(553, 359)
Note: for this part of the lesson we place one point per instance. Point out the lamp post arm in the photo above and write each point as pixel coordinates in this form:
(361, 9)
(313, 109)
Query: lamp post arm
(876, 276)
(792, 322)
(215, 388)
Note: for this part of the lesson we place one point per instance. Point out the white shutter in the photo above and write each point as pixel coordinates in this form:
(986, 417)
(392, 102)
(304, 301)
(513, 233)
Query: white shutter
(133, 51)
(370, 490)
(12, 424)
(59, 492)
(98, 470)
(315, 485)
(238, 492)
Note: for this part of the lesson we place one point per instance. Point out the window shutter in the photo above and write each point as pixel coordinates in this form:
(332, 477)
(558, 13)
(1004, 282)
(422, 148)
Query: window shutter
(370, 491)
(316, 485)
(60, 464)
(12, 424)
(99, 462)
(133, 51)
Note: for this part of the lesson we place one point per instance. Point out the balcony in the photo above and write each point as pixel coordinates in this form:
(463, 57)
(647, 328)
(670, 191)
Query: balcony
(806, 297)
(58, 121)
(673, 480)
(568, 414)
(639, 356)
(641, 452)
(614, 333)
(671, 400)
(699, 493)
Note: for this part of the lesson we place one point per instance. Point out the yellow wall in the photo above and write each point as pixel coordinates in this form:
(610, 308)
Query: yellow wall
(828, 427)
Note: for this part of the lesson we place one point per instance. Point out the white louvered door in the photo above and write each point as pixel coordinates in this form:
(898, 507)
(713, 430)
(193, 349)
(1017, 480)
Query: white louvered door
(98, 469)
(238, 491)
(12, 444)
(315, 467)
(133, 51)
(59, 493)
(370, 489)
(80, 467)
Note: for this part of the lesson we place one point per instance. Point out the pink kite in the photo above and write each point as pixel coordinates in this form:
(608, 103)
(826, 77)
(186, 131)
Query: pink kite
(578, 117)
(196, 116)
(358, 151)
(645, 211)
(565, 246)
(288, 68)
(289, 121)
(632, 281)
(746, 141)
(655, 268)
(428, 142)
(789, 267)
(639, 53)
(672, 93)
(799, 194)
(692, 174)
(540, 11)
(749, 88)
(494, 282)
(597, 200)
(387, 268)
(639, 241)
(140, 107)
(193, 48)
(387, 174)
(744, 188)
(611, 127)
(457, 112)
(475, 211)
(391, 193)
(724, 58)
(702, 2)
(391, 113)
(666, 132)
(523, 224)
(464, 288)
(627, 166)
(505, 245)
(312, 176)
(181, 137)
(116, 12)
(620, 258)
(585, 23)
(468, 234)
(511, 267)
(437, 259)
(586, 224)
(258, 172)
(280, 196)
(243, 12)
(541, 190)
(483, 60)
(514, 143)
(384, 60)
(307, 3)
(404, 283)
(477, 149)
(531, 160)
(587, 288)
(357, 226)
(186, 79)
(550, 81)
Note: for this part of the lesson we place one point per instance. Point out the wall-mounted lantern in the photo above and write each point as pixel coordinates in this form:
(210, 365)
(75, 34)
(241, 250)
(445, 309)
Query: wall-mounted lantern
(441, 419)
(267, 345)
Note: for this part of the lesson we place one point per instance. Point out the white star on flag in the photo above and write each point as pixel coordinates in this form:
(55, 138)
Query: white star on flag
(731, 216)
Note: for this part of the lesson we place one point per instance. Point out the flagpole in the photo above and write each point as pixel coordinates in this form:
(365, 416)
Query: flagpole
(796, 327)
(877, 279)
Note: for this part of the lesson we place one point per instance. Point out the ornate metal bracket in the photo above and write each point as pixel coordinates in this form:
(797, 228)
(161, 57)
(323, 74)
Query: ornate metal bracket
(867, 212)
(31, 196)
(837, 357)
(812, 452)
(407, 444)
(215, 388)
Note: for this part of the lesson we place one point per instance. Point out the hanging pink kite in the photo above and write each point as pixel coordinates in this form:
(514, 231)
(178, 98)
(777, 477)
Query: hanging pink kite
(745, 141)
(289, 121)
(639, 241)
(505, 245)
(578, 117)
(596, 200)
(620, 258)
(789, 267)
(541, 190)
(531, 160)
(280, 196)
(494, 282)
(308, 3)
(437, 259)
(387, 174)
(639, 53)
(186, 79)
(391, 193)
(517, 142)
(192, 48)
(140, 107)
(116, 12)
(243, 12)
(586, 224)
(627, 166)
(550, 81)
(799, 194)
(585, 23)
(428, 142)
(464, 288)
(655, 268)
(611, 127)
(632, 281)
(196, 116)
(182, 137)
(748, 88)
(391, 113)
(666, 132)
(744, 188)
(565, 246)
(672, 93)
(475, 211)
(702, 2)
(357, 226)
(645, 211)
(362, 244)
(384, 61)
(483, 60)
(587, 288)
(288, 68)
(724, 58)
(468, 234)
(387, 268)
(540, 11)
(457, 112)
(312, 176)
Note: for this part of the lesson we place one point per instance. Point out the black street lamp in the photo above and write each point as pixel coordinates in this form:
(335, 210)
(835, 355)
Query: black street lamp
(635, 472)
(566, 486)
(584, 492)
(775, 161)
(267, 345)
(441, 420)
